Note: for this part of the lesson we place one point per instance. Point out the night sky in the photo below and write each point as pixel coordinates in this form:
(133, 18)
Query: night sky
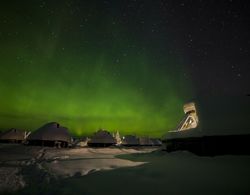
(120, 65)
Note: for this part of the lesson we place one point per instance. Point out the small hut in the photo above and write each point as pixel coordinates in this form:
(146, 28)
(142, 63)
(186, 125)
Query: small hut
(156, 142)
(102, 138)
(145, 141)
(50, 134)
(130, 140)
(13, 136)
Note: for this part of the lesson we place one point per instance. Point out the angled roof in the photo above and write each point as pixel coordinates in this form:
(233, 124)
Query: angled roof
(102, 136)
(130, 140)
(51, 132)
(13, 134)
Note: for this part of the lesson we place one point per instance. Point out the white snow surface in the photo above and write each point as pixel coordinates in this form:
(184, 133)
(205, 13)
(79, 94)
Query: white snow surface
(68, 162)
(60, 163)
(101, 171)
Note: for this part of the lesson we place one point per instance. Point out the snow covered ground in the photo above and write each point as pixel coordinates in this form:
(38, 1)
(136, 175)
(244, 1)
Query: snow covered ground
(18, 162)
(123, 171)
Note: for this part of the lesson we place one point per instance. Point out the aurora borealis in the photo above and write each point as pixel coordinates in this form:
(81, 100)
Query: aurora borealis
(93, 64)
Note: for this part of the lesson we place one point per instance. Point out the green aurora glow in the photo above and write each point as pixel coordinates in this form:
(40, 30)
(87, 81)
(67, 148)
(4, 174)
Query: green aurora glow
(98, 76)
